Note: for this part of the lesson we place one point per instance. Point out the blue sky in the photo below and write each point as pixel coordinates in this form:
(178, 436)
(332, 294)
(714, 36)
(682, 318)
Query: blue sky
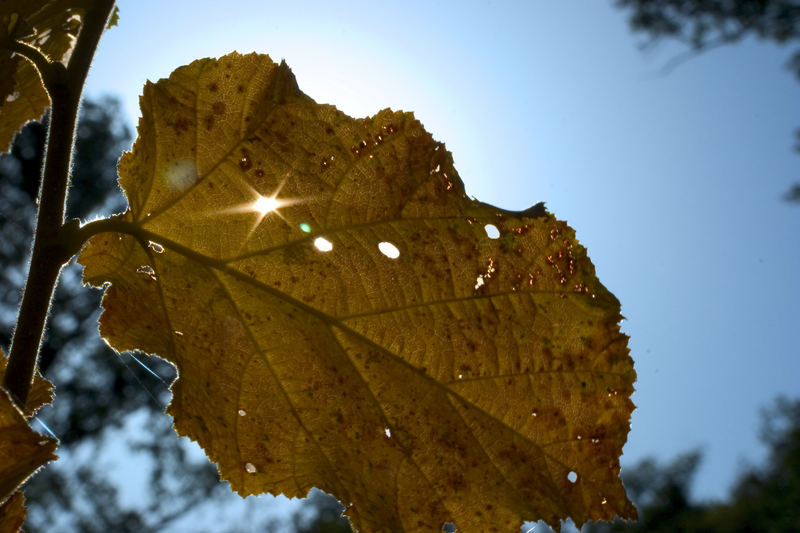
(673, 182)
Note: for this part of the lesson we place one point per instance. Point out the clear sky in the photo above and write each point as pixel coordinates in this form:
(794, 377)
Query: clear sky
(673, 182)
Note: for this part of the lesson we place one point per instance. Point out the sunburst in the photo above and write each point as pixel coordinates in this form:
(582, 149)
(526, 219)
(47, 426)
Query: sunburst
(266, 204)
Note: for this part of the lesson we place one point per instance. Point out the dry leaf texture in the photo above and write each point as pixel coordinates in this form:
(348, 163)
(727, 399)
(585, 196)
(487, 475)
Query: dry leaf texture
(51, 27)
(343, 316)
(22, 450)
(12, 513)
(40, 394)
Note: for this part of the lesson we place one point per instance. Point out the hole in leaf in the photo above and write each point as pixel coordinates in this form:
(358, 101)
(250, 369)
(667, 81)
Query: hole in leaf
(250, 467)
(389, 250)
(491, 231)
(305, 228)
(572, 477)
(323, 245)
(147, 270)
(388, 432)
(157, 248)
(242, 412)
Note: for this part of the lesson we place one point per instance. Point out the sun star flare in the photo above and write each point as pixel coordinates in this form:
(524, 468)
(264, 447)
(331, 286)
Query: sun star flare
(264, 205)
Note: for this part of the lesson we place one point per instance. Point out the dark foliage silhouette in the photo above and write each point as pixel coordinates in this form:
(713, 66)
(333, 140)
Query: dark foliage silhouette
(703, 25)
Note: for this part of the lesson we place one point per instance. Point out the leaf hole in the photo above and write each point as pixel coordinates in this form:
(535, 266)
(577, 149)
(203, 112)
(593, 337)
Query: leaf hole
(250, 468)
(242, 412)
(388, 432)
(157, 248)
(491, 231)
(322, 244)
(572, 477)
(148, 271)
(389, 250)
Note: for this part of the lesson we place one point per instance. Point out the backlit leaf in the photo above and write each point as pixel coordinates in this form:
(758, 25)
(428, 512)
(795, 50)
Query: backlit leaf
(41, 392)
(22, 452)
(12, 513)
(343, 316)
(52, 27)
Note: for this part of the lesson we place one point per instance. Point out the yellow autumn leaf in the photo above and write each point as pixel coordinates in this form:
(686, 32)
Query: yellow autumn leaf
(343, 316)
(51, 27)
(41, 392)
(22, 451)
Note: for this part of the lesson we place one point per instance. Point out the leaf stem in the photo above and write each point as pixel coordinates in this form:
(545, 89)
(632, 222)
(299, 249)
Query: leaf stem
(51, 246)
(115, 224)
(52, 72)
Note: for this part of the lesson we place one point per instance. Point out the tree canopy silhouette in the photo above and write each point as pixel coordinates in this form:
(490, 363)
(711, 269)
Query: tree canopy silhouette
(703, 25)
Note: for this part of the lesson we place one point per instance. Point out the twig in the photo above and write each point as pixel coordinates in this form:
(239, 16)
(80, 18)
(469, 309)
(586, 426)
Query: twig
(52, 72)
(682, 58)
